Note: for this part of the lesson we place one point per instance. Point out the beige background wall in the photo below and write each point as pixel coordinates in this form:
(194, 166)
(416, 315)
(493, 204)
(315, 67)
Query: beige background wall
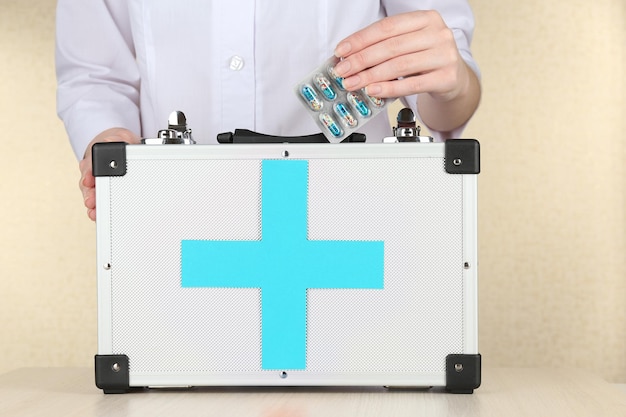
(552, 191)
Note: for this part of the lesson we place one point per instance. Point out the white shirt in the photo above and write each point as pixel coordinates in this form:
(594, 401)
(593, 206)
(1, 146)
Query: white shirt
(226, 64)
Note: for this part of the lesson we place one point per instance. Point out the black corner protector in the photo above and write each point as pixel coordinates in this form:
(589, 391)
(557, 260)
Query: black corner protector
(112, 373)
(463, 373)
(462, 156)
(109, 159)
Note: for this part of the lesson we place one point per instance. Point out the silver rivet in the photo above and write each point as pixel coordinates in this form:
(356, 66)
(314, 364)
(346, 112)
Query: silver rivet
(285, 154)
(466, 265)
(458, 367)
(107, 266)
(457, 162)
(113, 164)
(283, 374)
(116, 367)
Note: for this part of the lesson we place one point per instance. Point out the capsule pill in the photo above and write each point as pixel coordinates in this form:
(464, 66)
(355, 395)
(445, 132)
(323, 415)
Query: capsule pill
(311, 98)
(359, 105)
(324, 85)
(330, 124)
(345, 115)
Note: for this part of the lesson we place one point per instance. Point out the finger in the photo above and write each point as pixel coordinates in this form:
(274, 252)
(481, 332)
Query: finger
(382, 52)
(91, 213)
(86, 184)
(89, 180)
(403, 66)
(416, 84)
(85, 171)
(385, 71)
(90, 198)
(383, 29)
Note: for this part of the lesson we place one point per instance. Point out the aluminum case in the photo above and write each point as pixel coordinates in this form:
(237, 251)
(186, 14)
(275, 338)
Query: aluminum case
(287, 265)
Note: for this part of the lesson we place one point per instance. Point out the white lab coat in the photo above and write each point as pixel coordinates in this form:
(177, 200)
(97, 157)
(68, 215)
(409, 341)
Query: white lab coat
(226, 64)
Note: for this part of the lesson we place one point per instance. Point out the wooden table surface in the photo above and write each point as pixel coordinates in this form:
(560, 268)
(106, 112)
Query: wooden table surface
(504, 392)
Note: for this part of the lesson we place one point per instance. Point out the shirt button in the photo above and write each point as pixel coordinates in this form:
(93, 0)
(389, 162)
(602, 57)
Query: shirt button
(236, 63)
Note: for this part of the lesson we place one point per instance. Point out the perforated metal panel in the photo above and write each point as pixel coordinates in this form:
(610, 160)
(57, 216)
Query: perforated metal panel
(391, 193)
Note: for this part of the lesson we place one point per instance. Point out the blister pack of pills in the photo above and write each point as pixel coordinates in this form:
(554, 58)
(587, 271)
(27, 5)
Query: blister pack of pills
(337, 111)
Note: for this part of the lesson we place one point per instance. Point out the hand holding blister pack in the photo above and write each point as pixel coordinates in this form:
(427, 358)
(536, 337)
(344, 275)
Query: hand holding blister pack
(337, 111)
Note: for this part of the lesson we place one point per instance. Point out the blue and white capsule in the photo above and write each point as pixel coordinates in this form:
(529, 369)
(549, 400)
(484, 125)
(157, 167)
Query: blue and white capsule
(359, 104)
(311, 97)
(323, 84)
(330, 125)
(345, 115)
(338, 80)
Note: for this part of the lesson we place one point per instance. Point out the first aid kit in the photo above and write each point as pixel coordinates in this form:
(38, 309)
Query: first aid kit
(287, 264)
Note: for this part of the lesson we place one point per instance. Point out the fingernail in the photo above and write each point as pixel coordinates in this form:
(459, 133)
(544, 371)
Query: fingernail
(373, 90)
(348, 83)
(342, 68)
(343, 49)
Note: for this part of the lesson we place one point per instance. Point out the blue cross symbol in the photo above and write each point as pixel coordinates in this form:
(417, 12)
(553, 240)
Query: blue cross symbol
(283, 264)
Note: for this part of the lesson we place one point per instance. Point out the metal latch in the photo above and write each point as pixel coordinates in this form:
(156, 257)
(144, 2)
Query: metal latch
(177, 132)
(407, 129)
